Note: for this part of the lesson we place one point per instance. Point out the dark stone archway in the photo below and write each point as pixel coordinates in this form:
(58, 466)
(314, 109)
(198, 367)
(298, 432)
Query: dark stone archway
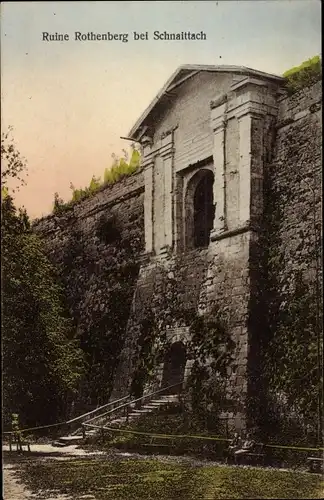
(174, 367)
(203, 210)
(199, 209)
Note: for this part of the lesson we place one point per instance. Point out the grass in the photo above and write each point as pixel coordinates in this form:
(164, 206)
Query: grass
(115, 478)
(165, 421)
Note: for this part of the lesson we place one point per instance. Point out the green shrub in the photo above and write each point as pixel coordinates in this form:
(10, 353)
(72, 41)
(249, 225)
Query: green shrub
(302, 76)
(120, 168)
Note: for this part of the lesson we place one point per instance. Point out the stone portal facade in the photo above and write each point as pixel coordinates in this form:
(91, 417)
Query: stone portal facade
(206, 141)
(223, 149)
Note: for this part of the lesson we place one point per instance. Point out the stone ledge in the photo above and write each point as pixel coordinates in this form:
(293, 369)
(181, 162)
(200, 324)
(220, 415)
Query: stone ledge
(234, 232)
(218, 101)
(116, 201)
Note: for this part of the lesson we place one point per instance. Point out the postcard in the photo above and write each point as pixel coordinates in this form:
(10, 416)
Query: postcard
(161, 249)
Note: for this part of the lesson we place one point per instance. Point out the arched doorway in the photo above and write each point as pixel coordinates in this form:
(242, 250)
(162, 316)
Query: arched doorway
(174, 367)
(203, 210)
(199, 209)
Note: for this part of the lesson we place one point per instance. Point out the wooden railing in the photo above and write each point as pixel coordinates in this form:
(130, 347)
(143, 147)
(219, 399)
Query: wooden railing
(122, 405)
(70, 424)
(124, 409)
(91, 414)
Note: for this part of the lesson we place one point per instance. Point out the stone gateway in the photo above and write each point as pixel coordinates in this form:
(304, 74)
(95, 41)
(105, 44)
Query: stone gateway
(214, 140)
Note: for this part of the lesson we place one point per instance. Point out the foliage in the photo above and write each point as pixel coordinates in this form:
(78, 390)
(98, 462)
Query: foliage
(211, 348)
(4, 192)
(13, 165)
(289, 344)
(58, 204)
(292, 355)
(306, 74)
(99, 275)
(41, 362)
(145, 355)
(121, 167)
(107, 229)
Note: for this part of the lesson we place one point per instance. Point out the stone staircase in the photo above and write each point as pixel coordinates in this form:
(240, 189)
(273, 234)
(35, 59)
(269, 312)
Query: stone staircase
(147, 408)
(118, 422)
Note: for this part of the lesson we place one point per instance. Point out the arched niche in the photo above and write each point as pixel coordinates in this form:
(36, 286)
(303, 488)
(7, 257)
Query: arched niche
(199, 209)
(174, 366)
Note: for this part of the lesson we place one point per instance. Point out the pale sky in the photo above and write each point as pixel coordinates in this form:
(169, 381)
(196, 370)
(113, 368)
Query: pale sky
(69, 102)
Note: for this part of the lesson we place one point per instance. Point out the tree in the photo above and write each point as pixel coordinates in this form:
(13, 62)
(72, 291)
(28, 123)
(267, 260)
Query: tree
(13, 165)
(41, 360)
(58, 203)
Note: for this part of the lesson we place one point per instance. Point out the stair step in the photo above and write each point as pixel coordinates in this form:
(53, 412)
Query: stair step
(146, 409)
(66, 440)
(58, 444)
(71, 438)
(161, 401)
(141, 411)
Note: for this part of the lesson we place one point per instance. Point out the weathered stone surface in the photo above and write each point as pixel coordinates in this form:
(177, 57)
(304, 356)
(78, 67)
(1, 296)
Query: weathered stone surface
(261, 151)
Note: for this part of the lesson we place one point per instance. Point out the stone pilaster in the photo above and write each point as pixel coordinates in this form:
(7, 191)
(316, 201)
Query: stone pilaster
(148, 165)
(218, 123)
(179, 216)
(245, 126)
(253, 100)
(167, 154)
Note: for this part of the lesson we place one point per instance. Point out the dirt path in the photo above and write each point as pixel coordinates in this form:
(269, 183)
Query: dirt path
(15, 490)
(12, 489)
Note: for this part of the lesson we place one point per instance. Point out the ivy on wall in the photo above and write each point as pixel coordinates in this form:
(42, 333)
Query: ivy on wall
(290, 347)
(210, 347)
(100, 275)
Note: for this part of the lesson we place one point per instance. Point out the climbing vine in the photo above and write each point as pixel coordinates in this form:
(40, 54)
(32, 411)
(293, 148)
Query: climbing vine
(290, 348)
(100, 275)
(145, 354)
(211, 348)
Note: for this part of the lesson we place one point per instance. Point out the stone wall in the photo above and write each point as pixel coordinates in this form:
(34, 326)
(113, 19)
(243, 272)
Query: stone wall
(292, 251)
(97, 244)
(294, 189)
(274, 186)
(228, 287)
(170, 289)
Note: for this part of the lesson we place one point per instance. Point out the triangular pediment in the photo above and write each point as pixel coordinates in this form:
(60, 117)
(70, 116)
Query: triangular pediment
(182, 74)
